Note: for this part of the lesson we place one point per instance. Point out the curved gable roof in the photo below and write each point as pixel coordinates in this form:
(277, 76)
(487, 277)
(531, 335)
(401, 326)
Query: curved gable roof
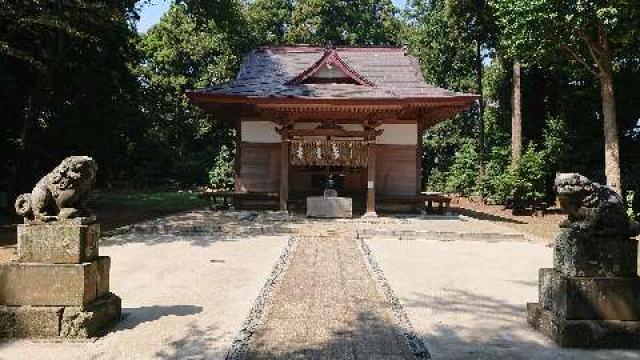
(378, 73)
(328, 60)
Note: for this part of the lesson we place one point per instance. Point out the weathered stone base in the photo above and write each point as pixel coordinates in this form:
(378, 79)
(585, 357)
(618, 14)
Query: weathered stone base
(39, 284)
(329, 207)
(590, 298)
(58, 243)
(60, 322)
(584, 333)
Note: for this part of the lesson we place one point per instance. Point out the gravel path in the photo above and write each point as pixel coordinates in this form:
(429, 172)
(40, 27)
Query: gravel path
(327, 307)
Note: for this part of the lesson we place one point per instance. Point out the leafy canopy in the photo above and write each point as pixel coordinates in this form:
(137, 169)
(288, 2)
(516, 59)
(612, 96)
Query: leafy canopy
(345, 22)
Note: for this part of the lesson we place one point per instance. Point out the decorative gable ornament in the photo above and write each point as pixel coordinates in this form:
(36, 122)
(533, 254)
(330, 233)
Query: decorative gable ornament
(330, 69)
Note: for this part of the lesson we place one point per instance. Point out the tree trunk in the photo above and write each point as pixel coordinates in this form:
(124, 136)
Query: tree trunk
(516, 115)
(600, 51)
(611, 144)
(479, 74)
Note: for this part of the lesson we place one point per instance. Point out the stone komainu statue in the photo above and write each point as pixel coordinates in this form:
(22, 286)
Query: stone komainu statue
(590, 206)
(61, 194)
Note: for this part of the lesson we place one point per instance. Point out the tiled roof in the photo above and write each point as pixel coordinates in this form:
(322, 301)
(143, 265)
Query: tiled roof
(267, 71)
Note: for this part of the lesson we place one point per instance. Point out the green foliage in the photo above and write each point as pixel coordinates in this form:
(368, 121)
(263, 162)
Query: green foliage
(67, 85)
(500, 180)
(555, 143)
(529, 179)
(529, 182)
(445, 58)
(630, 202)
(538, 29)
(221, 175)
(463, 173)
(270, 19)
(77, 78)
(193, 46)
(345, 22)
(163, 200)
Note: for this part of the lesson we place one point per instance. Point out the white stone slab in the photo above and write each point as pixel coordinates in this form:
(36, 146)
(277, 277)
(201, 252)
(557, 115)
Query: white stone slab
(329, 207)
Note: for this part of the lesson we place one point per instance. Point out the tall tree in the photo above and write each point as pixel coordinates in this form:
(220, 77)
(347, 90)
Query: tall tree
(195, 44)
(591, 32)
(444, 58)
(67, 65)
(345, 22)
(270, 20)
(516, 114)
(473, 20)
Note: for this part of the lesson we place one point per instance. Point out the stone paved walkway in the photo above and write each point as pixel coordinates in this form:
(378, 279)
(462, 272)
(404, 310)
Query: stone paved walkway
(327, 306)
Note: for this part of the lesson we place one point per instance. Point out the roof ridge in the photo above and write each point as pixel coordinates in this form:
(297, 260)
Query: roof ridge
(317, 48)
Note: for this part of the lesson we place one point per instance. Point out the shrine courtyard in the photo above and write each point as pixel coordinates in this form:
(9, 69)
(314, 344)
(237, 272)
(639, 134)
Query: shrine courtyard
(258, 285)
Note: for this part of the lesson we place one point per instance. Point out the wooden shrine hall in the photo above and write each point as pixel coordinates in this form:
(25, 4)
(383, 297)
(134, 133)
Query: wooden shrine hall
(357, 114)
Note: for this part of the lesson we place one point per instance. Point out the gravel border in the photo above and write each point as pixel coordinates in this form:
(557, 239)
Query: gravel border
(260, 307)
(414, 341)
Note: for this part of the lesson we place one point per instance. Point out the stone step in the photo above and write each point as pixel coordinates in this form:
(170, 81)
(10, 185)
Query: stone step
(439, 235)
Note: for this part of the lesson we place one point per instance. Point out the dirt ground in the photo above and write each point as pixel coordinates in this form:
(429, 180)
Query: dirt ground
(544, 225)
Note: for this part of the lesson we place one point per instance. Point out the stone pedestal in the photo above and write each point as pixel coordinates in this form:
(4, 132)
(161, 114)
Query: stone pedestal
(591, 298)
(329, 207)
(59, 286)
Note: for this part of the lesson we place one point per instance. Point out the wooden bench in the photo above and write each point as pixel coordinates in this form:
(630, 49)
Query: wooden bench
(240, 200)
(423, 201)
(442, 201)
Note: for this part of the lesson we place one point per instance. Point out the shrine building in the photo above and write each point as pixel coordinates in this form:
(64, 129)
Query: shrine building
(303, 113)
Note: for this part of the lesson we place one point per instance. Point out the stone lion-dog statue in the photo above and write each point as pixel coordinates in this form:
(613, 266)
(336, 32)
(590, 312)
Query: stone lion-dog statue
(589, 205)
(61, 194)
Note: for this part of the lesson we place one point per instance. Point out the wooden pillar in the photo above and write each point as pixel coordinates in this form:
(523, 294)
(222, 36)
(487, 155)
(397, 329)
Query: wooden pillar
(371, 179)
(371, 171)
(284, 169)
(419, 144)
(238, 157)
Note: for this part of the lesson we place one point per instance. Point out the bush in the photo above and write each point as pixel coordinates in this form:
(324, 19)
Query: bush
(631, 202)
(529, 175)
(221, 175)
(463, 174)
(498, 179)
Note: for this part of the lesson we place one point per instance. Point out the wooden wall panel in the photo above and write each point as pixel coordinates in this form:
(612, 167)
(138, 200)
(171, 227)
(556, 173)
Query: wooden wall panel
(259, 169)
(396, 169)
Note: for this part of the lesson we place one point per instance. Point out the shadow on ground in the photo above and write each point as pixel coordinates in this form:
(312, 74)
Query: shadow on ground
(484, 216)
(133, 317)
(467, 325)
(367, 337)
(196, 344)
(202, 228)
